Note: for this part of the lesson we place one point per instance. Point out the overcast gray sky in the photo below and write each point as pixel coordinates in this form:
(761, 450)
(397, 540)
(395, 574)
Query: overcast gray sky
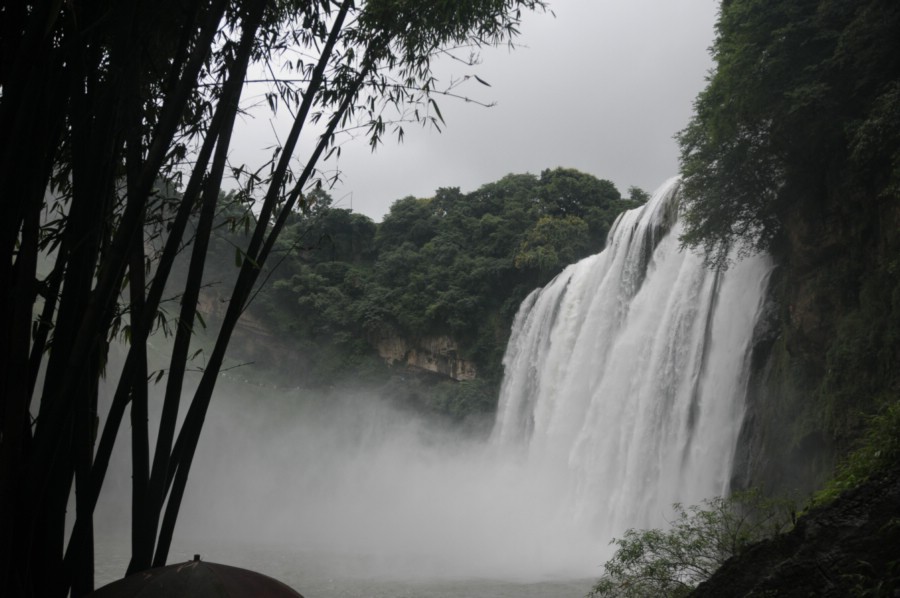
(602, 87)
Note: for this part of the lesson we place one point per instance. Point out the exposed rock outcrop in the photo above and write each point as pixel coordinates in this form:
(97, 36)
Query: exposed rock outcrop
(254, 341)
(848, 548)
(439, 355)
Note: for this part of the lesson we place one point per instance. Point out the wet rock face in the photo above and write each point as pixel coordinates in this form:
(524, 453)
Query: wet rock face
(830, 344)
(848, 548)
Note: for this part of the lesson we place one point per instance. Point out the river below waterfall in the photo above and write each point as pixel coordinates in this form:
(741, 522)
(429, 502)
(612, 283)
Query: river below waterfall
(347, 496)
(323, 575)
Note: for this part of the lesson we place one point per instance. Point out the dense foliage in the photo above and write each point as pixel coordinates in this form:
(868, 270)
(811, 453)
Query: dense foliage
(803, 102)
(456, 265)
(877, 451)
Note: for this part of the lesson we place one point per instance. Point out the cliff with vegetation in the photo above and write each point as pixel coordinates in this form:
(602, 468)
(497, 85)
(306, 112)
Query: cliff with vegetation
(795, 149)
(422, 303)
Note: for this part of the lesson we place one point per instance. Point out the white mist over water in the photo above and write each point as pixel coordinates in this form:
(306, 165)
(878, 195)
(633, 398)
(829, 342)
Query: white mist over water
(624, 391)
(398, 495)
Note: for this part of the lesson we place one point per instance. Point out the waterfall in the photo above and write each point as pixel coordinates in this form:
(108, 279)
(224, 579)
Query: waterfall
(625, 376)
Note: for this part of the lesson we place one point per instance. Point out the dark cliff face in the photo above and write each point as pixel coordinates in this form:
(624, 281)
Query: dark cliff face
(848, 548)
(827, 353)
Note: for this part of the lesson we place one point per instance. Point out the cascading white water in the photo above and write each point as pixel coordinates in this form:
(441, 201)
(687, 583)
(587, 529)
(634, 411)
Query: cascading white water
(626, 375)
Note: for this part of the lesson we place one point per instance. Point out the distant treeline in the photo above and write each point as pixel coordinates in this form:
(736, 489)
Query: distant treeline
(456, 265)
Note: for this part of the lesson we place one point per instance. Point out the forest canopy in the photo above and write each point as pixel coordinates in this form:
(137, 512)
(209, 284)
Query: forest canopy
(455, 264)
(803, 102)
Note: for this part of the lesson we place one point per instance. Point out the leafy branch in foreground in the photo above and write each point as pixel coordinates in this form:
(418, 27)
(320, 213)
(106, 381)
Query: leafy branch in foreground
(670, 563)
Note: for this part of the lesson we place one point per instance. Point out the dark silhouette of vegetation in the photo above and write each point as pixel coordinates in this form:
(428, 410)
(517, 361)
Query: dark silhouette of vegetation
(100, 103)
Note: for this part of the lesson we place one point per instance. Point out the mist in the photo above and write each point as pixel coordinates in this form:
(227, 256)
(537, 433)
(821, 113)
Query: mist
(349, 477)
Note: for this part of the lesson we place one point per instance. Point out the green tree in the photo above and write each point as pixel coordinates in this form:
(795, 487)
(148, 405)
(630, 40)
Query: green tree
(568, 192)
(99, 101)
(801, 103)
(553, 243)
(410, 220)
(670, 563)
(638, 195)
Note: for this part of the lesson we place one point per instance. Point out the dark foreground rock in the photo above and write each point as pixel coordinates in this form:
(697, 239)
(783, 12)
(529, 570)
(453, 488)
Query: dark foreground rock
(848, 548)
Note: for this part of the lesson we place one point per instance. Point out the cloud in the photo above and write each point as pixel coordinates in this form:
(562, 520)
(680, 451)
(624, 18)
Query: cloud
(602, 87)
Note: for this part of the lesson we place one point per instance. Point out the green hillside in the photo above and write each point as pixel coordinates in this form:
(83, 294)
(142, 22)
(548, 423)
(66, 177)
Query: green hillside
(440, 278)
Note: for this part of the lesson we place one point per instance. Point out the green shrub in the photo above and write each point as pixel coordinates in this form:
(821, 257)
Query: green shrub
(878, 450)
(670, 563)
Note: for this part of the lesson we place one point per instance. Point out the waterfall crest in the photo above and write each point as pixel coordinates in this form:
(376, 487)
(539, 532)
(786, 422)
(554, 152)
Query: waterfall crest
(626, 375)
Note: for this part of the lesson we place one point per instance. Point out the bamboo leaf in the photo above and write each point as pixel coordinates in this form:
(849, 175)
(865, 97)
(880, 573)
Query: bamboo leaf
(437, 110)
